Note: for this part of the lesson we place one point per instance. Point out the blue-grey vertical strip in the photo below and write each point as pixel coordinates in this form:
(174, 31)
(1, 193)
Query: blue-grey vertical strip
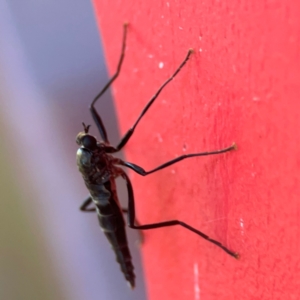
(51, 67)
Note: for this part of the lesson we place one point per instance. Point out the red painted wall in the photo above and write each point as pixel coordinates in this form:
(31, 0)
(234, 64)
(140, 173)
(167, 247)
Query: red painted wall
(242, 85)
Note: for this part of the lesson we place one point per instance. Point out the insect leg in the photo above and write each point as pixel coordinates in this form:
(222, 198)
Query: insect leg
(131, 221)
(85, 204)
(95, 115)
(141, 240)
(127, 136)
(142, 172)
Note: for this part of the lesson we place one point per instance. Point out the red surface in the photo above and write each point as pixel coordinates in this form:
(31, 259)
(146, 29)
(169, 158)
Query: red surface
(242, 85)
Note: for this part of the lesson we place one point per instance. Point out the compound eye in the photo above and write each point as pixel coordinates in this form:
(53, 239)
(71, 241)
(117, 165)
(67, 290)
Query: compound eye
(89, 142)
(79, 138)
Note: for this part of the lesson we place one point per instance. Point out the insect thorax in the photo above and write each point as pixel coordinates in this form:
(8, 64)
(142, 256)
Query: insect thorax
(94, 166)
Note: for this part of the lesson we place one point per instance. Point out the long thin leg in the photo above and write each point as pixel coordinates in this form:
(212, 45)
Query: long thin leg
(85, 204)
(131, 221)
(125, 211)
(141, 240)
(142, 172)
(95, 115)
(127, 136)
(88, 201)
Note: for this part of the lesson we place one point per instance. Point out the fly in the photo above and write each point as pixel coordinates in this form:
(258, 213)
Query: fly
(100, 168)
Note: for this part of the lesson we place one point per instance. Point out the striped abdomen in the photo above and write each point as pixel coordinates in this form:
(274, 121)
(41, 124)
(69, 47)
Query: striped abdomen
(114, 228)
(112, 223)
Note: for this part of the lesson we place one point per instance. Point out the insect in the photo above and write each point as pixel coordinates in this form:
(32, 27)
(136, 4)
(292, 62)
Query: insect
(99, 170)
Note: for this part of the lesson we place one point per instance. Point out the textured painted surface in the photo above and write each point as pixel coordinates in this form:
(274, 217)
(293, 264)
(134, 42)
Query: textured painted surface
(242, 84)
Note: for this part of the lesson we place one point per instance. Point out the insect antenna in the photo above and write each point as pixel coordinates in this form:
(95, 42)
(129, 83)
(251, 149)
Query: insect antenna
(86, 128)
